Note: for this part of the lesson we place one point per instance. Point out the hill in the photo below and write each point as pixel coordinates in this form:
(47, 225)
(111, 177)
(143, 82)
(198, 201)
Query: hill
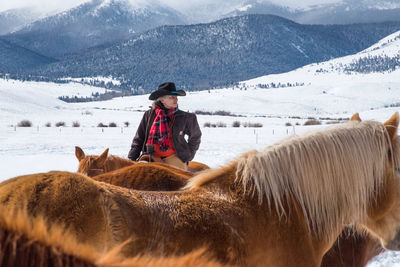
(218, 54)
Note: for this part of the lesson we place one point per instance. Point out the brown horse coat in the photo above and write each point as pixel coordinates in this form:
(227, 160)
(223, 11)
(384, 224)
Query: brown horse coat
(147, 176)
(28, 241)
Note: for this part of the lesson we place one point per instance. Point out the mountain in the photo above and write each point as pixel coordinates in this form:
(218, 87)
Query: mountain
(343, 12)
(364, 81)
(93, 23)
(14, 19)
(15, 58)
(219, 53)
(262, 7)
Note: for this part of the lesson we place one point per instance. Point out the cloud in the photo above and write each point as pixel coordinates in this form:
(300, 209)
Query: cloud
(42, 5)
(181, 5)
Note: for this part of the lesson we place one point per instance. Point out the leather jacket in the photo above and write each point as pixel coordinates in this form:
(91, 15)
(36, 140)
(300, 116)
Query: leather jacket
(184, 123)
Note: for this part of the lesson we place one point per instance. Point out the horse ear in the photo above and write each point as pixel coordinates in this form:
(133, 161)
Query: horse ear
(355, 117)
(392, 124)
(102, 158)
(79, 153)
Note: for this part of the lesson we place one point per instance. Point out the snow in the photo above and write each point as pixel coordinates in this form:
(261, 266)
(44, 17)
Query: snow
(326, 95)
(244, 8)
(89, 80)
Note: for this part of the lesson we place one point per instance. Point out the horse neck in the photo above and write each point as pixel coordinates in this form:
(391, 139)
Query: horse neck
(221, 180)
(113, 163)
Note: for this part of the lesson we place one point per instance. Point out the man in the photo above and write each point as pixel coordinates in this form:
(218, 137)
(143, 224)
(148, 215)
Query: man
(164, 128)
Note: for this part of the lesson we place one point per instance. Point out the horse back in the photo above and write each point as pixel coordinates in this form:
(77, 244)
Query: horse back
(69, 199)
(147, 176)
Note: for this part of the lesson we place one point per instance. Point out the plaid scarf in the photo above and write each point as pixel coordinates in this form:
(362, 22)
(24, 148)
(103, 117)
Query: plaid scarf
(159, 130)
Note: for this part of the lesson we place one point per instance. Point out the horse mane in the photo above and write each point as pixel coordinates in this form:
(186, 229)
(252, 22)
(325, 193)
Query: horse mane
(341, 166)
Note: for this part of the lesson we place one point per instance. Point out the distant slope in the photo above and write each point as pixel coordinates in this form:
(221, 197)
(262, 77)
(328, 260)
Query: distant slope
(366, 81)
(341, 12)
(381, 58)
(219, 53)
(16, 59)
(13, 19)
(93, 23)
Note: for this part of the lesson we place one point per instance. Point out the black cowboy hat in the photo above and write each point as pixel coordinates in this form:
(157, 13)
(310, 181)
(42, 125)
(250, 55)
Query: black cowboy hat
(167, 88)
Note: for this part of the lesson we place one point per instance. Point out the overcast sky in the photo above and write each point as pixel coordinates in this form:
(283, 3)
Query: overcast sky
(50, 5)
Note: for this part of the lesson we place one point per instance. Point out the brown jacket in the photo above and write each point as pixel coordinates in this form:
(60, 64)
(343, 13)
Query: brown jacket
(184, 123)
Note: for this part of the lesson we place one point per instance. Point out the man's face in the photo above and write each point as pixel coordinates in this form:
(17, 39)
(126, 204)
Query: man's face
(169, 101)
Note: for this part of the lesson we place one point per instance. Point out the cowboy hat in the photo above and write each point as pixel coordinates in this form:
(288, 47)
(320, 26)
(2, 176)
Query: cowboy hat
(167, 88)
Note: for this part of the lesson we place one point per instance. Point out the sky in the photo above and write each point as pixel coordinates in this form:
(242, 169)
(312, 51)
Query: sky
(50, 5)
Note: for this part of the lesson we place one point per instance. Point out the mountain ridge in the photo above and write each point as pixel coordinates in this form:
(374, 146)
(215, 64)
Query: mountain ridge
(220, 53)
(93, 23)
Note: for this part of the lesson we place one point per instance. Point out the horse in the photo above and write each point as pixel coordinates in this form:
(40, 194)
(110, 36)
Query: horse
(28, 241)
(284, 206)
(130, 174)
(93, 165)
(352, 248)
(147, 176)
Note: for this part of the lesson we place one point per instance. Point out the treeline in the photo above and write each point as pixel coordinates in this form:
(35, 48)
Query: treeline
(374, 64)
(95, 96)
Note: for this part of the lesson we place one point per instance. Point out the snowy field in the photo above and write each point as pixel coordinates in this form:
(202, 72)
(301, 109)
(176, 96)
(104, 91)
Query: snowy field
(326, 96)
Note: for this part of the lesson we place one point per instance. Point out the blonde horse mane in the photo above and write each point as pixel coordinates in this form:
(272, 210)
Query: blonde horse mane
(341, 166)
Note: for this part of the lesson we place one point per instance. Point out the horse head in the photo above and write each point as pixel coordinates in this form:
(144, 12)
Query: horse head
(90, 165)
(383, 214)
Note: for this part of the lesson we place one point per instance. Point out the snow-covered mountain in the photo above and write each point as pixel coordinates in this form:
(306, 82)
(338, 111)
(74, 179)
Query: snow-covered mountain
(220, 53)
(365, 81)
(93, 23)
(15, 58)
(340, 12)
(14, 19)
(382, 58)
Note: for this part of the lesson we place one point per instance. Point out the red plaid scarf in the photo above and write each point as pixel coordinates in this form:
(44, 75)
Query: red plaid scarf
(159, 130)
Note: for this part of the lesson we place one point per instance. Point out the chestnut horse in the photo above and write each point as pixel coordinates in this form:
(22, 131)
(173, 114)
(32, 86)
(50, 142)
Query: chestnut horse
(95, 165)
(28, 241)
(284, 206)
(147, 176)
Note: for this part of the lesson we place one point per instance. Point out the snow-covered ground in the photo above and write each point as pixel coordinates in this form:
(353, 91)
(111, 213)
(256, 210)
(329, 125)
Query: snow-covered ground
(326, 96)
